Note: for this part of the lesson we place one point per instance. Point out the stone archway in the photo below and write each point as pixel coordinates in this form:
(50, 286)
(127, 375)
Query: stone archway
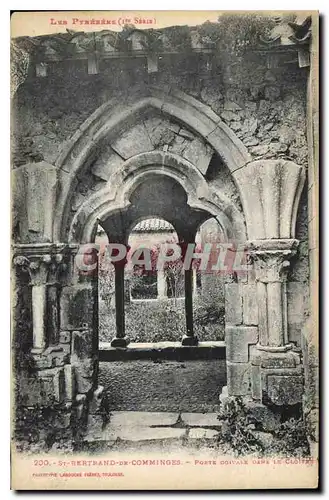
(115, 196)
(260, 361)
(115, 199)
(107, 122)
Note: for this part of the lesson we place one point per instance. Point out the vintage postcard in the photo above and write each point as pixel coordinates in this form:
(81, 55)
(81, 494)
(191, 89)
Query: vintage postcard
(164, 250)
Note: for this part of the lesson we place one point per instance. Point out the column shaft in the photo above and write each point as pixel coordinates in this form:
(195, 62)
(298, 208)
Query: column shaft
(262, 313)
(39, 315)
(53, 313)
(119, 302)
(275, 314)
(119, 340)
(161, 284)
(189, 338)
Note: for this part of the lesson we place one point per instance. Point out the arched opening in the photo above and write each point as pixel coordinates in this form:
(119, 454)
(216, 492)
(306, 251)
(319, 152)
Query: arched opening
(157, 217)
(154, 298)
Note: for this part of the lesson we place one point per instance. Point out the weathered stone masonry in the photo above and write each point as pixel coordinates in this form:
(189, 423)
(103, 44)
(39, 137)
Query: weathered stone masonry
(89, 128)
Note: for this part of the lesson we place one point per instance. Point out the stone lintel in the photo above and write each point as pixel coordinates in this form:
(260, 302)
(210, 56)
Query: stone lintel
(163, 350)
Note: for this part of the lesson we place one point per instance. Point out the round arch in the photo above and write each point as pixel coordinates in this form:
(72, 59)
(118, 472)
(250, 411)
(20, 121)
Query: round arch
(107, 120)
(115, 196)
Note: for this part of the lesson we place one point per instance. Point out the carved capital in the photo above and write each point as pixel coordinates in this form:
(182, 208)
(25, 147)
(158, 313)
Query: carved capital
(271, 258)
(39, 268)
(44, 263)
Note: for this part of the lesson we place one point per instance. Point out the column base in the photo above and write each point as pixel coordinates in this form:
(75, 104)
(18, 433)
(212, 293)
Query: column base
(120, 342)
(277, 377)
(190, 341)
(274, 349)
(37, 352)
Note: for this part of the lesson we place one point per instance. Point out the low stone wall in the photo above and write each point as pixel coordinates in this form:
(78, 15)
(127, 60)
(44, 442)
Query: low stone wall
(146, 385)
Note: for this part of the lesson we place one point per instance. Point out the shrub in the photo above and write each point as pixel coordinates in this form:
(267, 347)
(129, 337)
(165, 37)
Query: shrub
(237, 426)
(291, 439)
(234, 34)
(240, 431)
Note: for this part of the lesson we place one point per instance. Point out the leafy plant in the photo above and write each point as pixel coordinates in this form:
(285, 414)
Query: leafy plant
(179, 38)
(237, 428)
(233, 34)
(291, 439)
(240, 431)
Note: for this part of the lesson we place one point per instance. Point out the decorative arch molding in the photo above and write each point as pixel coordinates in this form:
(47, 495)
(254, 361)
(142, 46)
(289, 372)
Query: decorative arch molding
(270, 192)
(115, 196)
(109, 119)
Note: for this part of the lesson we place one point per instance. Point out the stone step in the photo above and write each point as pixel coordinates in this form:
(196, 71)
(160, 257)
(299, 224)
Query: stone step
(200, 419)
(138, 434)
(120, 419)
(147, 426)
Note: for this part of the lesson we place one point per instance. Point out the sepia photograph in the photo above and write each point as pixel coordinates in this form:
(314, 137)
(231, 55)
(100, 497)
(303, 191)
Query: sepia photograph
(164, 250)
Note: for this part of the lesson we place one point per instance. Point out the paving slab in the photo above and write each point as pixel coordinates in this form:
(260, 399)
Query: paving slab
(120, 419)
(202, 433)
(200, 419)
(142, 433)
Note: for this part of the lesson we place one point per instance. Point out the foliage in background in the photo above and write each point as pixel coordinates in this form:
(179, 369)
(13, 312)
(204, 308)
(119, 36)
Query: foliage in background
(230, 36)
(159, 320)
(235, 34)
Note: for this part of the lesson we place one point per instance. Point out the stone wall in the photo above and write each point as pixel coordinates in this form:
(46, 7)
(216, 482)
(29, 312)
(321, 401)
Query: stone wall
(265, 108)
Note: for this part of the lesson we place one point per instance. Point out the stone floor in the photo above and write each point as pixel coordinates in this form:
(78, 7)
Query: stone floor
(156, 426)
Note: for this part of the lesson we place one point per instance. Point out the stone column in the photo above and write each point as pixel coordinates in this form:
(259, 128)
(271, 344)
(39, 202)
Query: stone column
(270, 191)
(161, 285)
(194, 281)
(276, 370)
(39, 268)
(189, 339)
(53, 297)
(43, 262)
(39, 315)
(271, 262)
(120, 340)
